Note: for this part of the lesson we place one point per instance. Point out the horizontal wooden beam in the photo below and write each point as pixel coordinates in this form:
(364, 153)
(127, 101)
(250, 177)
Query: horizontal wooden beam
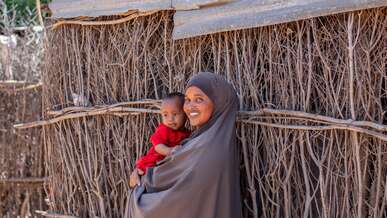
(16, 86)
(24, 180)
(262, 117)
(52, 214)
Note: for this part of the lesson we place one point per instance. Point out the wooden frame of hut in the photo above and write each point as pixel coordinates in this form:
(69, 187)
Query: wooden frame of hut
(21, 152)
(310, 75)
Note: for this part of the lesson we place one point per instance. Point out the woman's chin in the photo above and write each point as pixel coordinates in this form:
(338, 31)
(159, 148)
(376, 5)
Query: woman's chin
(193, 124)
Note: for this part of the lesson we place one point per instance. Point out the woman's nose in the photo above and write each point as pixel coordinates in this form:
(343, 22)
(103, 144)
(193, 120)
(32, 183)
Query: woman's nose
(189, 106)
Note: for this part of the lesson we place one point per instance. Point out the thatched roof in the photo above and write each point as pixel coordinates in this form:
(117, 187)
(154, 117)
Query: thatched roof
(201, 17)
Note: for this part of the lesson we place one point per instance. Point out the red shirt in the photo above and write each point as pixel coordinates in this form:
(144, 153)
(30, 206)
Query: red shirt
(163, 135)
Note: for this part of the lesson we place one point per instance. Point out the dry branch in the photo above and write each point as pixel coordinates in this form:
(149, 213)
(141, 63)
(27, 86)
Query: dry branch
(103, 107)
(378, 135)
(23, 180)
(50, 214)
(118, 109)
(14, 83)
(311, 116)
(99, 23)
(93, 112)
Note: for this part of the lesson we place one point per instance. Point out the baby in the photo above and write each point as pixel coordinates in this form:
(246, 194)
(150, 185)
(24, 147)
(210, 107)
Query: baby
(168, 134)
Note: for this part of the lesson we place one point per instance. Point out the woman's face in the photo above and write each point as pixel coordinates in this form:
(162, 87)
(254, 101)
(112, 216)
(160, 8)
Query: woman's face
(198, 106)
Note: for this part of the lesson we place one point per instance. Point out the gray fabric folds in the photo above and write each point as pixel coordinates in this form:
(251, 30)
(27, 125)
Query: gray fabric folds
(201, 180)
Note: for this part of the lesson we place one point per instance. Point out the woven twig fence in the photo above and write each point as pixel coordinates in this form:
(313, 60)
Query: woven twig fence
(21, 151)
(312, 123)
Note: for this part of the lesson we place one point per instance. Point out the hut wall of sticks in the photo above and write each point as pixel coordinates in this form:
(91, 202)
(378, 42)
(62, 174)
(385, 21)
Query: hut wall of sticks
(21, 151)
(311, 127)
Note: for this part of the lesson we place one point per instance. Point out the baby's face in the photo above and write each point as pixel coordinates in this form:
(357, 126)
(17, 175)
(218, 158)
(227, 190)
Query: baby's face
(172, 113)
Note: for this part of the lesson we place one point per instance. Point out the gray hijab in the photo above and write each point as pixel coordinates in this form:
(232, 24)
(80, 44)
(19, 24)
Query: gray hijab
(201, 180)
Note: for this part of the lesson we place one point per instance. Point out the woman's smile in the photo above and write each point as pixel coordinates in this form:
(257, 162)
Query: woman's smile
(193, 114)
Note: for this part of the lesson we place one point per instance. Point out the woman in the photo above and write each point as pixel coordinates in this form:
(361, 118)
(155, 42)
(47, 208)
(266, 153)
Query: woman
(200, 180)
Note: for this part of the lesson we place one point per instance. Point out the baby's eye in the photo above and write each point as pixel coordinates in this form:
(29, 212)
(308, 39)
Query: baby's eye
(186, 100)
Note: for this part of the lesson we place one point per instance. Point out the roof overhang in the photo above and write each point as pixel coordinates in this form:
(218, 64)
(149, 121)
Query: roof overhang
(201, 17)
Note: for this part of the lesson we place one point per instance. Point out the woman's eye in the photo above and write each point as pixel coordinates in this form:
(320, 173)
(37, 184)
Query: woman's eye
(199, 100)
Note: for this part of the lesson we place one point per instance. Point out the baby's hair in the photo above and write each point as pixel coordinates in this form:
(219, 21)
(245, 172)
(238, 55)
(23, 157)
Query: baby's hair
(180, 96)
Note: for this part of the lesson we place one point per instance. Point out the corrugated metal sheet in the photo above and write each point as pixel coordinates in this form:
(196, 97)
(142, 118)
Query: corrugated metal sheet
(95, 8)
(254, 13)
(200, 17)
(196, 4)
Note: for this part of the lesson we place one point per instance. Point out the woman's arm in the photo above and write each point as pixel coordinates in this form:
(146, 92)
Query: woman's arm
(163, 149)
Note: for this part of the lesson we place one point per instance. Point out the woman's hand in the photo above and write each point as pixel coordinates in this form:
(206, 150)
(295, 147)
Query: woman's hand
(135, 177)
(174, 149)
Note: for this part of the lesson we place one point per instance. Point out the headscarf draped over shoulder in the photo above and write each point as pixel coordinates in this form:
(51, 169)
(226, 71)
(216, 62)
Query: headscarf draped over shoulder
(202, 178)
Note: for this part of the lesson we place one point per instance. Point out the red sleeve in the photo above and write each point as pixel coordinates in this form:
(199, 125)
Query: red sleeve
(146, 161)
(160, 136)
(140, 165)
